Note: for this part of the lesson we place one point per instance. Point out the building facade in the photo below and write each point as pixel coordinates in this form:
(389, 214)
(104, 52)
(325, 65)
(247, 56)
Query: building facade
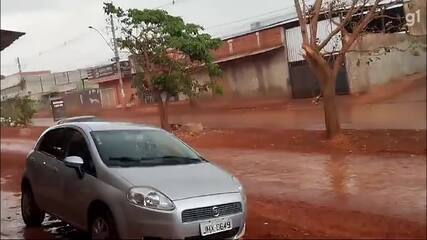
(42, 84)
(107, 77)
(268, 60)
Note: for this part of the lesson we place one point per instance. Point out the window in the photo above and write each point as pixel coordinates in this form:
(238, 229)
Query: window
(53, 143)
(78, 147)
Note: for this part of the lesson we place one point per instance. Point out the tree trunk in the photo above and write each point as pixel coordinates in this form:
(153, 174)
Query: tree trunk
(163, 111)
(330, 108)
(327, 78)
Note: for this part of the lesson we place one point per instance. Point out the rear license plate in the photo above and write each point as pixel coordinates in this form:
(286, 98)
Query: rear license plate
(215, 226)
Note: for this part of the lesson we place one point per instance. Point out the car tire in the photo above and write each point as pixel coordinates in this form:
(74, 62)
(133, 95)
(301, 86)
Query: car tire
(103, 225)
(32, 215)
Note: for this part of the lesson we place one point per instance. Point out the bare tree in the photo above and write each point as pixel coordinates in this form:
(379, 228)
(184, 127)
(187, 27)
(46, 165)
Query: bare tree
(326, 68)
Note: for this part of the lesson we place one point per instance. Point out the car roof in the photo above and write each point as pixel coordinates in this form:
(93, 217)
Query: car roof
(108, 126)
(77, 119)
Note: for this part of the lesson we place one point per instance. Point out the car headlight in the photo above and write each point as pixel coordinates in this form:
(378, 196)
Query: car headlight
(150, 198)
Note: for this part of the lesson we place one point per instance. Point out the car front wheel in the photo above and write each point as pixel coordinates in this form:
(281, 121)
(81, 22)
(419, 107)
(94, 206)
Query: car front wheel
(32, 215)
(103, 227)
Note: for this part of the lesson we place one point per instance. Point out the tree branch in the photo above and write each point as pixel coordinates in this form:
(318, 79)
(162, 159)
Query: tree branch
(317, 62)
(341, 26)
(314, 21)
(302, 21)
(355, 35)
(343, 30)
(359, 28)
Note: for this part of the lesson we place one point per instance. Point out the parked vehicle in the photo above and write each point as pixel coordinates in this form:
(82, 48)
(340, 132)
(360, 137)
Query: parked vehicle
(129, 181)
(88, 118)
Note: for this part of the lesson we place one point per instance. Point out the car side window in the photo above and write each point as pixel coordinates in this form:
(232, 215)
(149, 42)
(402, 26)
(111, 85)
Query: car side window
(53, 143)
(78, 147)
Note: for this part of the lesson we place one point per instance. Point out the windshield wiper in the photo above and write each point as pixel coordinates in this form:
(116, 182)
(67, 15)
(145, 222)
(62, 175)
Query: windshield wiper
(153, 161)
(124, 159)
(186, 159)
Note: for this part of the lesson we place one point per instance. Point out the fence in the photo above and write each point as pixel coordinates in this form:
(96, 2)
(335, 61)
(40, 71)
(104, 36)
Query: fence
(54, 82)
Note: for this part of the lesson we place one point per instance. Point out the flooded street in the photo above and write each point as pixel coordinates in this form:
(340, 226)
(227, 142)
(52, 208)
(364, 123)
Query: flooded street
(391, 186)
(290, 195)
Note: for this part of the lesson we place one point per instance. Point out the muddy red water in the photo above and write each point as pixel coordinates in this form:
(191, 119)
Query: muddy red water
(290, 195)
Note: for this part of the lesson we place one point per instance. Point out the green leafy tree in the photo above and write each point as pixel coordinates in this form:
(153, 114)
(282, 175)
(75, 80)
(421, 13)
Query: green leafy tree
(166, 50)
(18, 110)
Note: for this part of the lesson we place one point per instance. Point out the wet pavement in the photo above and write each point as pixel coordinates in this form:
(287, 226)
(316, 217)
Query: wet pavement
(290, 195)
(393, 186)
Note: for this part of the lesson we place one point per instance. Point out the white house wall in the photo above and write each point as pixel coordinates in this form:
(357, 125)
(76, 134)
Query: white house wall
(385, 67)
(36, 85)
(10, 81)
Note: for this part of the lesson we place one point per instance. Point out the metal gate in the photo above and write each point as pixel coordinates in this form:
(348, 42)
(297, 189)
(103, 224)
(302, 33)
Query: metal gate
(305, 85)
(58, 108)
(108, 98)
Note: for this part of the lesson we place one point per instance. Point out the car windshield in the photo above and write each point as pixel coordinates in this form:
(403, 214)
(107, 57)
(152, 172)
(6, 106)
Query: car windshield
(142, 148)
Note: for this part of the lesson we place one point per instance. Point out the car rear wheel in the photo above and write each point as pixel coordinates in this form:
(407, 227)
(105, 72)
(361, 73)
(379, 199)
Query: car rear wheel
(103, 227)
(32, 215)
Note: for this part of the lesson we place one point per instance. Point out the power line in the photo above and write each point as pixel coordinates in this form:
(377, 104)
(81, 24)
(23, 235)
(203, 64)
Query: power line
(247, 18)
(170, 3)
(71, 41)
(232, 22)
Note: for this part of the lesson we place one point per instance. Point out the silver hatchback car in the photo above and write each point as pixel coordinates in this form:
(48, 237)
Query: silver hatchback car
(122, 180)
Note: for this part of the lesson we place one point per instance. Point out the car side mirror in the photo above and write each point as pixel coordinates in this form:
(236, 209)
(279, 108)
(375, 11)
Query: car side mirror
(73, 161)
(76, 163)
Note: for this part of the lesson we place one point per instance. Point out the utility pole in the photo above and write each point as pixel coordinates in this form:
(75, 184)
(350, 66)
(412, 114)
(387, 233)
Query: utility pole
(21, 79)
(116, 57)
(19, 66)
(41, 84)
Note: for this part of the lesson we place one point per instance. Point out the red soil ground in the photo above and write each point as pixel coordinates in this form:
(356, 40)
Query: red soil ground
(265, 219)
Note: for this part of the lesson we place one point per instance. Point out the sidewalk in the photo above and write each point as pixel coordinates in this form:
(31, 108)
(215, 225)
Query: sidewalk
(400, 105)
(389, 115)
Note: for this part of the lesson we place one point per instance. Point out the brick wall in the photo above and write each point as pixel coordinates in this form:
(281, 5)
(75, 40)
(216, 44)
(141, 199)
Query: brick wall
(244, 44)
(271, 38)
(249, 43)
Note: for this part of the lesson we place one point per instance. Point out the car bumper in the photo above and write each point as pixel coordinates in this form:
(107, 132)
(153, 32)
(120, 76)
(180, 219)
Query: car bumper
(142, 222)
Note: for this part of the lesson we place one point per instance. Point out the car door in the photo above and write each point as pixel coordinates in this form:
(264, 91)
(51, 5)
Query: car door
(77, 191)
(46, 160)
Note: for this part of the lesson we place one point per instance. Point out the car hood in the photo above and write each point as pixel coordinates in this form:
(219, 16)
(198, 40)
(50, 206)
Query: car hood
(181, 181)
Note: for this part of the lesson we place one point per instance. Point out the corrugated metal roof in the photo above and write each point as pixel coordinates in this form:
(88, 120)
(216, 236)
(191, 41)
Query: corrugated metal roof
(294, 40)
(292, 17)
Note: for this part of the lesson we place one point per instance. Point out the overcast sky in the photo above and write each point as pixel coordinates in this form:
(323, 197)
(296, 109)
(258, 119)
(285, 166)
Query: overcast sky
(58, 39)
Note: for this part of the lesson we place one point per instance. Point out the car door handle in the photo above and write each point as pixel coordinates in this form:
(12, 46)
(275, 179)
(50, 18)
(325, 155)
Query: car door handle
(54, 169)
